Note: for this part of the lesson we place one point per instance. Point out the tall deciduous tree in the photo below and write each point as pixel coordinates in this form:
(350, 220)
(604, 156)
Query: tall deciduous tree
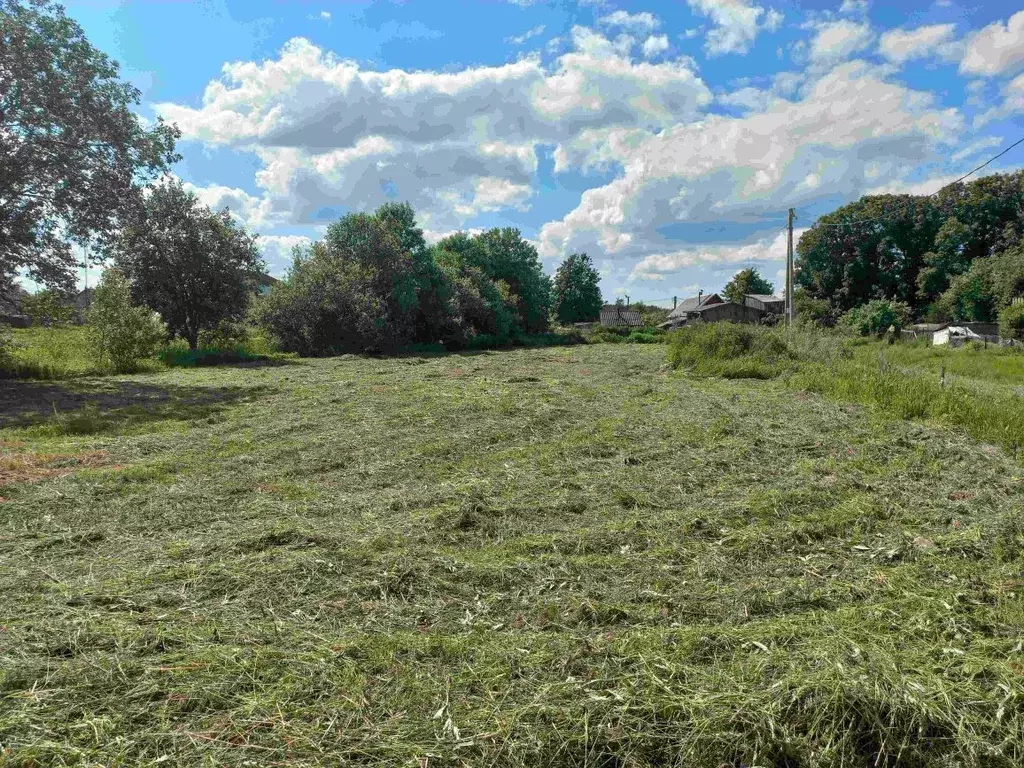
(910, 248)
(507, 258)
(72, 152)
(193, 266)
(746, 281)
(874, 248)
(577, 293)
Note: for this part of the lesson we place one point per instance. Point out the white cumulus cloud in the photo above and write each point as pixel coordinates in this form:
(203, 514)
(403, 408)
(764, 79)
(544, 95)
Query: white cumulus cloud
(655, 45)
(640, 22)
(901, 45)
(333, 135)
(997, 49)
(849, 129)
(838, 40)
(735, 24)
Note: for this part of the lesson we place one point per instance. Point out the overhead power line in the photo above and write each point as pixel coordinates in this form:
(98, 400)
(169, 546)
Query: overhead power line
(1018, 141)
(933, 194)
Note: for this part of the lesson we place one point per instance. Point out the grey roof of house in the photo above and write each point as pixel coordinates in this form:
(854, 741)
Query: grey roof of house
(614, 315)
(692, 304)
(765, 297)
(706, 306)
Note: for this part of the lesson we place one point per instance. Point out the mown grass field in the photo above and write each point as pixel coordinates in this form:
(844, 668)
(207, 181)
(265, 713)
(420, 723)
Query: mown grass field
(546, 557)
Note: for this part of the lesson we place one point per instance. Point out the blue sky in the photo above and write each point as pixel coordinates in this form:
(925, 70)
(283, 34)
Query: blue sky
(665, 139)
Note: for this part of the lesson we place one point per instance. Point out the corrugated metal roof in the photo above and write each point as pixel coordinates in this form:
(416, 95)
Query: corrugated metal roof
(693, 303)
(615, 315)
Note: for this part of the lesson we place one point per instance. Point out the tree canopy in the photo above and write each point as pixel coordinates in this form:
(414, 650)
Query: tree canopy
(74, 153)
(373, 283)
(746, 281)
(913, 249)
(193, 266)
(576, 290)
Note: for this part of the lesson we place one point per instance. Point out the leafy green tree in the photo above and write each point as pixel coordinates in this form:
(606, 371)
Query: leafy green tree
(949, 257)
(980, 293)
(990, 209)
(746, 281)
(507, 258)
(401, 219)
(73, 151)
(356, 290)
(122, 333)
(48, 307)
(871, 249)
(195, 267)
(577, 291)
(481, 305)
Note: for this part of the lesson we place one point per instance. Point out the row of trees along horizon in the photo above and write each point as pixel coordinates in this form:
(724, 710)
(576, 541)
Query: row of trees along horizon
(80, 167)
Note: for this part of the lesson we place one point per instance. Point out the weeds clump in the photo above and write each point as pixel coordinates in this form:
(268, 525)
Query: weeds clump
(730, 351)
(49, 353)
(604, 334)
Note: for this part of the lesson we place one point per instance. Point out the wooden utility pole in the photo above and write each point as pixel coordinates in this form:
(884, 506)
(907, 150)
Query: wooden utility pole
(789, 266)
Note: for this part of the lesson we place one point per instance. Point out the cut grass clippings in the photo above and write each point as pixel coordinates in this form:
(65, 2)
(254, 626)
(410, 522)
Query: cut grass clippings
(554, 557)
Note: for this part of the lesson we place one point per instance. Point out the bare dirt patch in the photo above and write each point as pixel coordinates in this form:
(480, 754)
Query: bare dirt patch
(28, 466)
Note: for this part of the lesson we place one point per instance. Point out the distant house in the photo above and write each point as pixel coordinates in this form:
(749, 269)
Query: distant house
(922, 331)
(687, 309)
(11, 311)
(264, 283)
(712, 308)
(614, 315)
(773, 305)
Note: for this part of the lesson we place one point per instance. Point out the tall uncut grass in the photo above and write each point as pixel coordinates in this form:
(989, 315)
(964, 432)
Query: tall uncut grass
(903, 381)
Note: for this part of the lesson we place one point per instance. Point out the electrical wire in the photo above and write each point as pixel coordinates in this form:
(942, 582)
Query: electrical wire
(883, 218)
(933, 194)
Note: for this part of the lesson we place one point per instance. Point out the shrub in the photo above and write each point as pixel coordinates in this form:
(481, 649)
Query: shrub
(645, 337)
(730, 350)
(876, 317)
(1011, 322)
(122, 334)
(604, 334)
(808, 309)
(331, 303)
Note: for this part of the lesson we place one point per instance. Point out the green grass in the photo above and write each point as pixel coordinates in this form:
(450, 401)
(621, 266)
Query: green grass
(51, 353)
(979, 390)
(64, 353)
(538, 557)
